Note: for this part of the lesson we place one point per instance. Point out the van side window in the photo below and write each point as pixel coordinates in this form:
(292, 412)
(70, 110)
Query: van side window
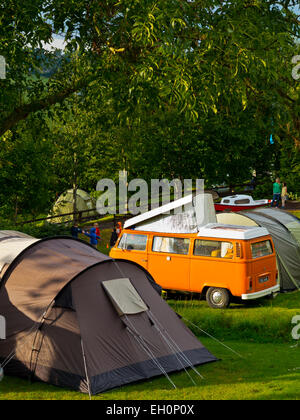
(261, 249)
(133, 242)
(214, 249)
(239, 250)
(171, 245)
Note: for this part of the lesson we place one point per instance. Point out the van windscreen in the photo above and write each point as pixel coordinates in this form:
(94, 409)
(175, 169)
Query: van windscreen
(261, 249)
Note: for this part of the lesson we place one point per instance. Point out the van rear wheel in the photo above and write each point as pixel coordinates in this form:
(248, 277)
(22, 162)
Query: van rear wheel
(218, 298)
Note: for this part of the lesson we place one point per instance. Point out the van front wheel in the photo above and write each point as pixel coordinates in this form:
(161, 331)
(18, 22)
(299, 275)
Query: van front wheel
(218, 298)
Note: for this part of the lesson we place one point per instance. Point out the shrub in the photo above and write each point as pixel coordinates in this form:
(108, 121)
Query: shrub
(38, 230)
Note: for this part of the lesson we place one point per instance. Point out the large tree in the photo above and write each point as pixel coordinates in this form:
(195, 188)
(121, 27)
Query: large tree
(153, 48)
(169, 88)
(27, 174)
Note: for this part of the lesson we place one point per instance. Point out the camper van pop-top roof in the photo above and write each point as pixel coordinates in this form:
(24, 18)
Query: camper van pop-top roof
(214, 230)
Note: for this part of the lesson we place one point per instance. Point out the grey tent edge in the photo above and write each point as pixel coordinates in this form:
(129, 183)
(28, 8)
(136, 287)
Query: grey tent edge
(107, 381)
(120, 377)
(64, 330)
(17, 257)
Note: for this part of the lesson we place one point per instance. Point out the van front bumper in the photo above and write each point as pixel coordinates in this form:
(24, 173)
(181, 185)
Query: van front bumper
(262, 293)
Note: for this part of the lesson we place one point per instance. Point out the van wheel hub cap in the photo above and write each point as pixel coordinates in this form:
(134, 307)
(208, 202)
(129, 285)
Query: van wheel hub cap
(217, 297)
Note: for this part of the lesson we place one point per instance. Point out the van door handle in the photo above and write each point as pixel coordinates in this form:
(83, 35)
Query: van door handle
(144, 260)
(168, 258)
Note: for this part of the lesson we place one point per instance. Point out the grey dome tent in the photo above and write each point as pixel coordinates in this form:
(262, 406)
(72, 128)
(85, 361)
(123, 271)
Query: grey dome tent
(78, 319)
(285, 231)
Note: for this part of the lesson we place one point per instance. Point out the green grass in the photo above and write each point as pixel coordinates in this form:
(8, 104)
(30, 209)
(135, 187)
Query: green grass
(266, 371)
(104, 242)
(261, 321)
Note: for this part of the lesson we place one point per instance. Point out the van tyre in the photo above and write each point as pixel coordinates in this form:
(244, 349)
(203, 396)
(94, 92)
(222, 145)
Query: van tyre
(218, 298)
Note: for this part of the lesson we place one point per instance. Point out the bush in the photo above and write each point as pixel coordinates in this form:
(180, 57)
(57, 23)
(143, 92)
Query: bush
(263, 191)
(38, 230)
(46, 230)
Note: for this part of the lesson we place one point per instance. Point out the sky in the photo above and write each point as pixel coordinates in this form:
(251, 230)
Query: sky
(57, 43)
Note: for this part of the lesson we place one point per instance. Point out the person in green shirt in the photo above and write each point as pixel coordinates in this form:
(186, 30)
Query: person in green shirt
(276, 193)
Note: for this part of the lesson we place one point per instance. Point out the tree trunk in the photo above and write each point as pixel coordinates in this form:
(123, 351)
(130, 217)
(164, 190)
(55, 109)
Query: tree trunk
(22, 112)
(16, 211)
(75, 188)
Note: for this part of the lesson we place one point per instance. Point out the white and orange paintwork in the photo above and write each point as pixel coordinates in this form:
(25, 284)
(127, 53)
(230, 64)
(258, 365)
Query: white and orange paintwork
(240, 274)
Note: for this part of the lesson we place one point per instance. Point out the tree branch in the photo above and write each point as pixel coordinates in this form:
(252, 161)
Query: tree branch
(22, 112)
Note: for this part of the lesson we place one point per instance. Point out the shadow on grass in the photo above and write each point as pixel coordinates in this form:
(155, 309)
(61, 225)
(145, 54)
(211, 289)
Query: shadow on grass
(283, 300)
(36, 390)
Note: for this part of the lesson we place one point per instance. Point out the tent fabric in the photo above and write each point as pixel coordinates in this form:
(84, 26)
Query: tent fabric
(294, 228)
(64, 205)
(47, 267)
(124, 297)
(287, 249)
(10, 248)
(235, 219)
(63, 329)
(286, 245)
(6, 234)
(291, 222)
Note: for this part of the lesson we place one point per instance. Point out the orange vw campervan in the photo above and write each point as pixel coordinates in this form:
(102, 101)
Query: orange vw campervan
(220, 262)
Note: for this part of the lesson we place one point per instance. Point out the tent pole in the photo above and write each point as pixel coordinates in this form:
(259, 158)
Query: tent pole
(13, 352)
(86, 371)
(39, 328)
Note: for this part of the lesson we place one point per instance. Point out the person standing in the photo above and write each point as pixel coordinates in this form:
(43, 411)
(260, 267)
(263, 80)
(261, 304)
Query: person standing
(75, 230)
(93, 237)
(284, 195)
(96, 226)
(113, 239)
(276, 193)
(119, 228)
(253, 182)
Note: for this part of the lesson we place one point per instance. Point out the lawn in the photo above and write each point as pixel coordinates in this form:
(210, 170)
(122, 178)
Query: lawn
(266, 371)
(261, 333)
(261, 321)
